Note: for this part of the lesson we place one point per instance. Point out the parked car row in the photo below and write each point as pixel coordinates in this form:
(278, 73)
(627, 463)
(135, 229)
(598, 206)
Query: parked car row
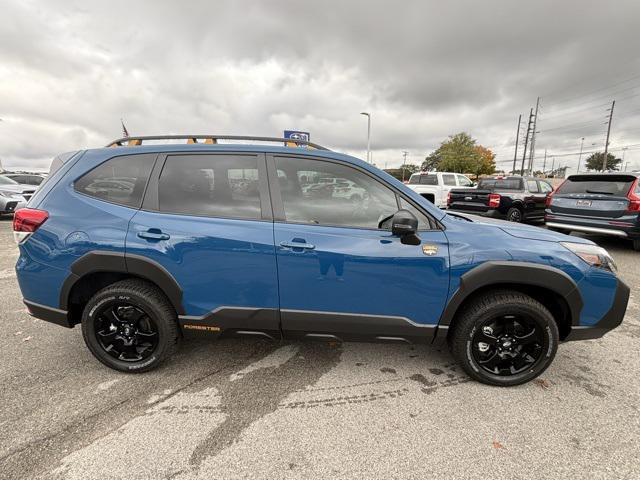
(600, 203)
(15, 194)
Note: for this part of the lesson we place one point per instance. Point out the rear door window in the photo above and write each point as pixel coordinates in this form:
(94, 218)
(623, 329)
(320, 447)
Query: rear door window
(616, 185)
(211, 186)
(532, 185)
(120, 180)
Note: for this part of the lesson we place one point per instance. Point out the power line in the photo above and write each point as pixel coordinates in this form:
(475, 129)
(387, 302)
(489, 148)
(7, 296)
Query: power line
(575, 97)
(593, 91)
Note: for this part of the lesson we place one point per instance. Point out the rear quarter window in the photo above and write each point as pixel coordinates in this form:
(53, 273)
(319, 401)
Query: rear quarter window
(120, 180)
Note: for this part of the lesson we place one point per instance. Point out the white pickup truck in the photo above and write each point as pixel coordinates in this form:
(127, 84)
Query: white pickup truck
(434, 186)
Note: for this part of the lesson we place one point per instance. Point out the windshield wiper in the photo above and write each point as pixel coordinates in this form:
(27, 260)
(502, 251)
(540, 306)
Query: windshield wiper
(598, 192)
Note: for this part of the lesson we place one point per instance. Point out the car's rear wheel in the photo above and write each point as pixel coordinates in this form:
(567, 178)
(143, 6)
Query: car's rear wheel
(130, 326)
(504, 338)
(636, 245)
(514, 214)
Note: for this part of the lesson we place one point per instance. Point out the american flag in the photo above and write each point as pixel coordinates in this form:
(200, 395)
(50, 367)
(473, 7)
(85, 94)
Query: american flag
(125, 133)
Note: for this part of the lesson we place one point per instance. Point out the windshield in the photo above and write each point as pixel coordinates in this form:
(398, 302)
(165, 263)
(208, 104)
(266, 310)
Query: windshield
(500, 184)
(617, 185)
(7, 181)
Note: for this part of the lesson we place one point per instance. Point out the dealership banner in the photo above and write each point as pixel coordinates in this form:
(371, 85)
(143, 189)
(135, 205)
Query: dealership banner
(295, 135)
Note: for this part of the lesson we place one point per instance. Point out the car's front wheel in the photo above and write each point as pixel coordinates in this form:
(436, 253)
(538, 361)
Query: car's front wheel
(504, 338)
(130, 326)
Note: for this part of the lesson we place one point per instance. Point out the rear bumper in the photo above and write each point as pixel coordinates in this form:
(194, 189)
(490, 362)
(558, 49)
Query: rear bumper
(604, 226)
(611, 320)
(48, 314)
(491, 213)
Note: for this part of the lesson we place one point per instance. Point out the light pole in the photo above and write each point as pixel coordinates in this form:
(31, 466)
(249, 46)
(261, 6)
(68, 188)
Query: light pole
(580, 156)
(368, 115)
(404, 162)
(624, 150)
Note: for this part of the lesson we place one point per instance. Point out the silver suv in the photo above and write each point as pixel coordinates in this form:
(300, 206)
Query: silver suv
(13, 195)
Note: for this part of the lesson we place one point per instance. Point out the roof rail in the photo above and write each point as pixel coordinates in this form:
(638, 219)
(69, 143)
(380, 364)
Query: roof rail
(210, 139)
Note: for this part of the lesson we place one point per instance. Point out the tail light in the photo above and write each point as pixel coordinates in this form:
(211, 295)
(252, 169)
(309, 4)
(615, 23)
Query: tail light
(634, 199)
(549, 199)
(494, 200)
(547, 202)
(26, 221)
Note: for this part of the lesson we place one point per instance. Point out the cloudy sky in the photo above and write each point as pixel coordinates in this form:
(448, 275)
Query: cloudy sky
(69, 70)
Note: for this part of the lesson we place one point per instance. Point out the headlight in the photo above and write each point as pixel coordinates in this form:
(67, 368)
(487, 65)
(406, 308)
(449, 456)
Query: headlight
(593, 255)
(4, 193)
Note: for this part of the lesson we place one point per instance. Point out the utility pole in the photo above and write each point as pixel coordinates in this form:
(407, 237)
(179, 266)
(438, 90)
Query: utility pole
(606, 144)
(404, 162)
(553, 164)
(544, 163)
(526, 141)
(533, 137)
(580, 156)
(624, 151)
(515, 153)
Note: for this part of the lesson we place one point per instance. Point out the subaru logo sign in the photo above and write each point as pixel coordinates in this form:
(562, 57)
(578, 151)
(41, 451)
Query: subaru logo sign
(296, 135)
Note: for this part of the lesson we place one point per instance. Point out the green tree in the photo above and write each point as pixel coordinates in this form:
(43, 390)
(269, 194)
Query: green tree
(460, 153)
(404, 172)
(431, 162)
(594, 162)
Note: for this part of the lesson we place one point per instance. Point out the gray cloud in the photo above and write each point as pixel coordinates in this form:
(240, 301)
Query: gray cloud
(425, 69)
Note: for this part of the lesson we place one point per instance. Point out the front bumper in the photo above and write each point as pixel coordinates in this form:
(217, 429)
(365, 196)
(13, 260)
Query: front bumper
(611, 320)
(11, 204)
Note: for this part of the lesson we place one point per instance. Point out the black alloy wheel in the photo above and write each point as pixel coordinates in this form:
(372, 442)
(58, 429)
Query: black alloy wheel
(508, 345)
(125, 331)
(514, 215)
(504, 338)
(130, 326)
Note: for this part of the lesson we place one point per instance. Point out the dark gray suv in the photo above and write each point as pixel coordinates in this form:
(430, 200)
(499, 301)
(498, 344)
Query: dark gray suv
(602, 203)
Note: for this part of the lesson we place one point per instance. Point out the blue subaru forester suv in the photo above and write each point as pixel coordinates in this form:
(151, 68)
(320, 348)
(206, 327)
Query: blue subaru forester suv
(142, 244)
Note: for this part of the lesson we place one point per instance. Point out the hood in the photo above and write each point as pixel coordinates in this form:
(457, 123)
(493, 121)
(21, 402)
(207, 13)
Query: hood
(521, 230)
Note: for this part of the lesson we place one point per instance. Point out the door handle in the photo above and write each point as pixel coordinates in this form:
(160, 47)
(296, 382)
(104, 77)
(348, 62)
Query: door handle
(304, 246)
(154, 234)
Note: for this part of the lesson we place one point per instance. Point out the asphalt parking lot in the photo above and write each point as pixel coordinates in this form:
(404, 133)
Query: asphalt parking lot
(252, 409)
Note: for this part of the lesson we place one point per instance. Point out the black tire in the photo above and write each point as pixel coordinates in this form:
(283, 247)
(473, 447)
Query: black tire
(154, 331)
(494, 307)
(636, 245)
(514, 214)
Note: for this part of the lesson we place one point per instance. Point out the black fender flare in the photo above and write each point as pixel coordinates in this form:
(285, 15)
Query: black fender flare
(117, 262)
(517, 273)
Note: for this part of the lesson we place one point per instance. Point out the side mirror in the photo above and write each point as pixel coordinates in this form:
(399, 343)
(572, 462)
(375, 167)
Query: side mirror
(404, 224)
